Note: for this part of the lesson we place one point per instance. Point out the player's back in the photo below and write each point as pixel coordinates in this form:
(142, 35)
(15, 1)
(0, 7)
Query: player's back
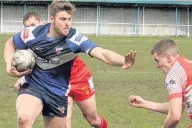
(186, 64)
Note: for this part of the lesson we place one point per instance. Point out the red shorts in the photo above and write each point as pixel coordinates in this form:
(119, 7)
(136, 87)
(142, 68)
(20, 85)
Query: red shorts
(82, 91)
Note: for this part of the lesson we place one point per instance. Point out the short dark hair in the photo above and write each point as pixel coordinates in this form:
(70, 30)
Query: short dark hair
(164, 46)
(61, 5)
(31, 14)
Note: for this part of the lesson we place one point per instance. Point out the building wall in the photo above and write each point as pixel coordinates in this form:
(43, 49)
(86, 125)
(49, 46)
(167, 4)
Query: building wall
(42, 10)
(12, 16)
(85, 20)
(112, 20)
(118, 21)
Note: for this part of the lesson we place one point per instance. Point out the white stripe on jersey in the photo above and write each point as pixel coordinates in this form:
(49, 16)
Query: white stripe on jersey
(28, 33)
(78, 39)
(88, 50)
(68, 90)
(91, 84)
(188, 88)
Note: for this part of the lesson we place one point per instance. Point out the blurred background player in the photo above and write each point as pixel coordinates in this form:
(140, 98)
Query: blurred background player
(178, 71)
(32, 19)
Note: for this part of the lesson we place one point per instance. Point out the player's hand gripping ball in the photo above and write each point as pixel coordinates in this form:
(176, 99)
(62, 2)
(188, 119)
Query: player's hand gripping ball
(23, 60)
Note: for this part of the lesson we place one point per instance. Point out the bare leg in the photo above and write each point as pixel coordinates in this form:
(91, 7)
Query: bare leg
(89, 110)
(55, 122)
(69, 112)
(28, 108)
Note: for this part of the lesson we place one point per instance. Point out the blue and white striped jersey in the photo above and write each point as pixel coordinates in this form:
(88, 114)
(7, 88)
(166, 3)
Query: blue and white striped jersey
(54, 57)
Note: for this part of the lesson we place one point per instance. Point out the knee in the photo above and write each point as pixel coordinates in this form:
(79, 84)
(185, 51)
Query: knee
(23, 121)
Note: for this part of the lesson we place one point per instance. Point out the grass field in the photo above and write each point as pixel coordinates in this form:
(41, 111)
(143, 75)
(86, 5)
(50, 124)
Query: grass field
(113, 85)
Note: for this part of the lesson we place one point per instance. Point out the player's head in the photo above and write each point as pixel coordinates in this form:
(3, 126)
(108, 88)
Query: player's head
(32, 19)
(165, 52)
(61, 16)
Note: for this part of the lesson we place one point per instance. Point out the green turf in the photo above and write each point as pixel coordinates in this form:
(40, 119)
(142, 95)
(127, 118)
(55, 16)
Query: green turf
(113, 85)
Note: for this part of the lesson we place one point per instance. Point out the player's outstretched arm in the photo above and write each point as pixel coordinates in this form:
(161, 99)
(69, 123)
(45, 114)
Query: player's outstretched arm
(9, 51)
(114, 59)
(175, 113)
(139, 102)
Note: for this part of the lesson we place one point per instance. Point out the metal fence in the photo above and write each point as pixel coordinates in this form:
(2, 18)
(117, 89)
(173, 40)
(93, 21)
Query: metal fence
(110, 20)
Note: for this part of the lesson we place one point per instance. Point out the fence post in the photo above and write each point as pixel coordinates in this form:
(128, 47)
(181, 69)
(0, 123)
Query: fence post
(98, 20)
(1, 17)
(188, 33)
(48, 13)
(143, 32)
(25, 9)
(176, 21)
(138, 20)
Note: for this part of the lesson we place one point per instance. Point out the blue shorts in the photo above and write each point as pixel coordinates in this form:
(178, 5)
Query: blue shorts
(53, 106)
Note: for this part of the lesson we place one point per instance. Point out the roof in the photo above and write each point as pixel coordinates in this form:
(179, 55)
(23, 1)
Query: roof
(154, 2)
(175, 2)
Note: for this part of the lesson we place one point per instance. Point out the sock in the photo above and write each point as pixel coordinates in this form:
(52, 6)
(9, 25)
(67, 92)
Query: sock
(103, 123)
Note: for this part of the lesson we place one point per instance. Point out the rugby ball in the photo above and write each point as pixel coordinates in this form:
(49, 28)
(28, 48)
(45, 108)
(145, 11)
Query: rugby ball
(23, 60)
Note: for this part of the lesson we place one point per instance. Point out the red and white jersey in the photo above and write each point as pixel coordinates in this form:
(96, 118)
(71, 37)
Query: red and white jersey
(179, 80)
(80, 73)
